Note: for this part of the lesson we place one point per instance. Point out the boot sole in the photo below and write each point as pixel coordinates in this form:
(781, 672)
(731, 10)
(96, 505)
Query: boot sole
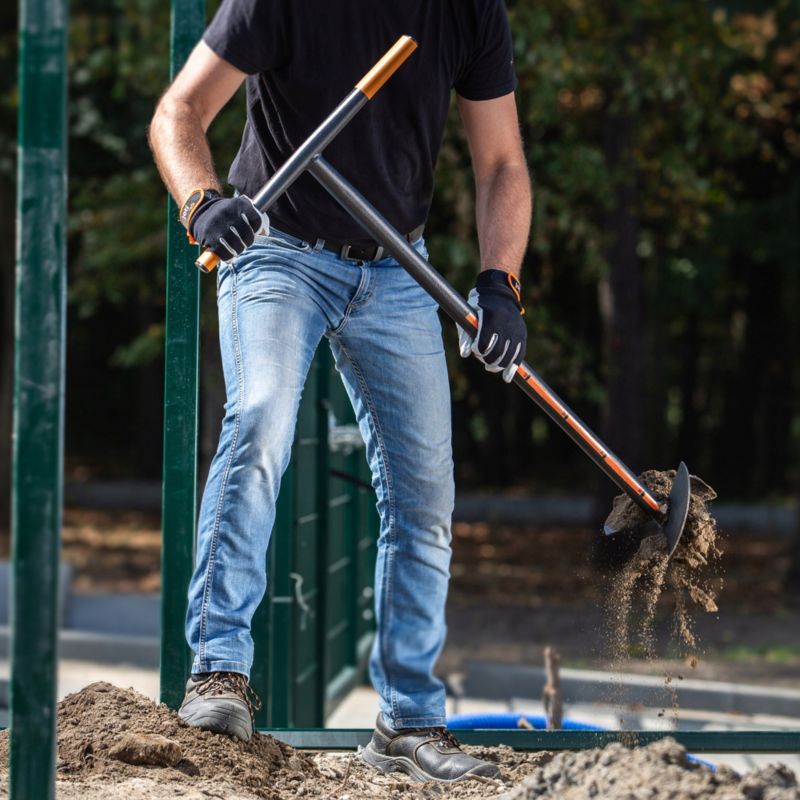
(402, 764)
(227, 719)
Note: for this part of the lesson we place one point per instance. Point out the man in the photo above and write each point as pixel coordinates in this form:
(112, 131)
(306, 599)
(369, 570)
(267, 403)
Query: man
(316, 273)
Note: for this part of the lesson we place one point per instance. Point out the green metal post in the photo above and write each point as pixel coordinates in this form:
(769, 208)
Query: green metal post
(38, 395)
(180, 407)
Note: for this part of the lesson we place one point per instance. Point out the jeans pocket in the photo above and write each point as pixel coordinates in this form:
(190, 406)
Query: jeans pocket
(293, 244)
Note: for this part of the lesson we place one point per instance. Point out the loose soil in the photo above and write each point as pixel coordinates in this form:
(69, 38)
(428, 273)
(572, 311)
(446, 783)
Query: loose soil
(690, 574)
(517, 588)
(660, 771)
(116, 744)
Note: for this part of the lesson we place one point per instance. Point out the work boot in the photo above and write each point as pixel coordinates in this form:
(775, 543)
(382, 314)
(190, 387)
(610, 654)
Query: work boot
(220, 702)
(427, 754)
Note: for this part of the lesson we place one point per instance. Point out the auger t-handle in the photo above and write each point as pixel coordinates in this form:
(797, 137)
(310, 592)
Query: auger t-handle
(363, 92)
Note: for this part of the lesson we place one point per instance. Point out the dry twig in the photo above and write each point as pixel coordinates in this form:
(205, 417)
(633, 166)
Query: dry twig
(551, 695)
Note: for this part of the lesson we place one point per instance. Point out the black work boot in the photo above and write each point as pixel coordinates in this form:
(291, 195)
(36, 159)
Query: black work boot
(427, 754)
(221, 702)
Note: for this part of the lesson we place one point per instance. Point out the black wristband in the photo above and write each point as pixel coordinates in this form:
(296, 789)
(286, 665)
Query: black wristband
(193, 202)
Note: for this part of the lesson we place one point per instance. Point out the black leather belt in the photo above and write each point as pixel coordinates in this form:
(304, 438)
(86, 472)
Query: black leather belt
(349, 252)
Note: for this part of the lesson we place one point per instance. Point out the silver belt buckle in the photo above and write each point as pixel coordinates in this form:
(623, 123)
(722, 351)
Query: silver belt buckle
(344, 254)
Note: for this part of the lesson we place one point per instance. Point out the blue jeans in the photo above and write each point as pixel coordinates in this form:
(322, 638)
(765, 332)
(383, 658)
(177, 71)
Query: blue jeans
(276, 301)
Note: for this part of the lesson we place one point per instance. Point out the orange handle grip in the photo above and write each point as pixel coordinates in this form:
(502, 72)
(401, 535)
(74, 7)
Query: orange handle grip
(387, 66)
(207, 261)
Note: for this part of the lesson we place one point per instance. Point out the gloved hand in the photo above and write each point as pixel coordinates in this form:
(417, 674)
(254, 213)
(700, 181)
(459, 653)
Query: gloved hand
(502, 336)
(224, 225)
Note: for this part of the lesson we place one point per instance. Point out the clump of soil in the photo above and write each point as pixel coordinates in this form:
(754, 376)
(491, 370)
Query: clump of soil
(659, 771)
(147, 749)
(650, 571)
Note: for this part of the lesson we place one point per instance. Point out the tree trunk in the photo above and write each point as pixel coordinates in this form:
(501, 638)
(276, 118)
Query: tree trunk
(620, 303)
(791, 583)
(689, 429)
(738, 467)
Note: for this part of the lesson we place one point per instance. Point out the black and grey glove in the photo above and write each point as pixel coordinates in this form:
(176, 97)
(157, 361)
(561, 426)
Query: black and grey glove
(225, 225)
(502, 336)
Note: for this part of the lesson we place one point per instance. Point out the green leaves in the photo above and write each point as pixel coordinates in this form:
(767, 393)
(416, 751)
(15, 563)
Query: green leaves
(710, 103)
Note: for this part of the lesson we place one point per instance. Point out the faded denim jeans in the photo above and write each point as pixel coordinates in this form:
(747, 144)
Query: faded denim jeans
(276, 301)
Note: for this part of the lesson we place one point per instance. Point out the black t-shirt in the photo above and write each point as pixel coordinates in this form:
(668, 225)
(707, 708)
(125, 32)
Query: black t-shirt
(303, 56)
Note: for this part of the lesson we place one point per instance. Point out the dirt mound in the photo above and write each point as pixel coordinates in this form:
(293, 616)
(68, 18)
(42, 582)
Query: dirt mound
(102, 727)
(660, 770)
(689, 574)
(116, 744)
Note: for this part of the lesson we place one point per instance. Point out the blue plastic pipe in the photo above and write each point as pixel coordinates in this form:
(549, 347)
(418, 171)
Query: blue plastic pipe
(509, 720)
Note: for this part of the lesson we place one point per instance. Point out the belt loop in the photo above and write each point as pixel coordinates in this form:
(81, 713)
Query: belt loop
(319, 244)
(378, 253)
(344, 252)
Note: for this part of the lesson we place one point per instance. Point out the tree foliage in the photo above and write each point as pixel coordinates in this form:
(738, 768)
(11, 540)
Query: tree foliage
(710, 101)
(689, 107)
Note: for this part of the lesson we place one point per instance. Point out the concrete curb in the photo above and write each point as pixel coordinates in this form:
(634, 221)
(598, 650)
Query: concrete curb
(782, 520)
(140, 651)
(504, 681)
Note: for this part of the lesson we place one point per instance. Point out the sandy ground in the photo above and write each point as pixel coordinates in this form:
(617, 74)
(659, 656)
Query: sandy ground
(115, 743)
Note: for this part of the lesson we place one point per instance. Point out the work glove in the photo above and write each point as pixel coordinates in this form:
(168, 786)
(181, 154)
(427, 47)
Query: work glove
(502, 336)
(225, 225)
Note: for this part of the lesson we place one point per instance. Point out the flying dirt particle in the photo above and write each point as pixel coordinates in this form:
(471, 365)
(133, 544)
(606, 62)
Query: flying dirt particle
(650, 571)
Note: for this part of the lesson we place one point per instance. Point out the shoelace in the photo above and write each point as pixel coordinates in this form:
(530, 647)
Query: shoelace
(221, 682)
(443, 735)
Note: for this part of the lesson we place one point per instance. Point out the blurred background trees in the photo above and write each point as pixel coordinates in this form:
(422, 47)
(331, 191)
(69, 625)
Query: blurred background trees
(662, 276)
(661, 279)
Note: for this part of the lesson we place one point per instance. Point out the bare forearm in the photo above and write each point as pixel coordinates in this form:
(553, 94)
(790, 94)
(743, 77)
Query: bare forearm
(503, 216)
(180, 148)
